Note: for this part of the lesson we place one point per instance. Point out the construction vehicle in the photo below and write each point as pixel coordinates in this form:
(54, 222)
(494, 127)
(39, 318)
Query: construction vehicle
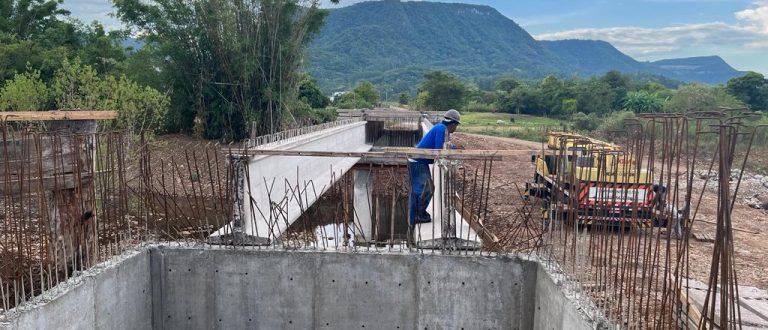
(587, 181)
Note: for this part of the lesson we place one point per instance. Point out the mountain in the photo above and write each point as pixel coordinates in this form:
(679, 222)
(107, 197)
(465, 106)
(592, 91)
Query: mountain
(393, 43)
(396, 42)
(595, 57)
(706, 69)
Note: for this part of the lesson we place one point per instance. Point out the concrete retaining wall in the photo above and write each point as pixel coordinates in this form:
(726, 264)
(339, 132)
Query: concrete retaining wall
(556, 311)
(117, 296)
(303, 290)
(177, 288)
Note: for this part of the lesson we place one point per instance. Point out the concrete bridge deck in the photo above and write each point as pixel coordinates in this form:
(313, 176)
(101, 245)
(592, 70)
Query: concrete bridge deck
(274, 190)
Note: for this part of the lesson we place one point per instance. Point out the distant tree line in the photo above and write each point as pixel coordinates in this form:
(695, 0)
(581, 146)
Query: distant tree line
(586, 100)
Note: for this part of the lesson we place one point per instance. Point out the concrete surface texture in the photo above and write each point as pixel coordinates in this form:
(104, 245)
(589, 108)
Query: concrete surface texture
(113, 295)
(294, 183)
(185, 288)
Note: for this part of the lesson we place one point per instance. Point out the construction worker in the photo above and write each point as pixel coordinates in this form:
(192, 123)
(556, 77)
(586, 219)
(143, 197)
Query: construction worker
(667, 209)
(418, 169)
(659, 196)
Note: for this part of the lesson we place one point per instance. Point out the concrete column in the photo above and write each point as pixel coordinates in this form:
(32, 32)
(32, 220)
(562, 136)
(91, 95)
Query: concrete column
(362, 202)
(444, 215)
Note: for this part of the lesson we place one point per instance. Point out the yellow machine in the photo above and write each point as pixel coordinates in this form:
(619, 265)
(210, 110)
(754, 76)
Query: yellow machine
(588, 180)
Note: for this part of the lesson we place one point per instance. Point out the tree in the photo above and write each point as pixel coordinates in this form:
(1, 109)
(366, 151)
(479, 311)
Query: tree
(421, 100)
(444, 91)
(367, 92)
(228, 62)
(523, 99)
(102, 50)
(643, 102)
(506, 84)
(27, 19)
(751, 88)
(569, 106)
(696, 97)
(311, 94)
(32, 35)
(584, 122)
(619, 85)
(595, 96)
(551, 93)
(403, 99)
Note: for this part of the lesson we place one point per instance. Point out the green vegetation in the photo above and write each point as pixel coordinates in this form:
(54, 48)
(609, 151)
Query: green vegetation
(510, 125)
(597, 106)
(365, 95)
(222, 78)
(752, 89)
(442, 91)
(50, 62)
(190, 74)
(79, 86)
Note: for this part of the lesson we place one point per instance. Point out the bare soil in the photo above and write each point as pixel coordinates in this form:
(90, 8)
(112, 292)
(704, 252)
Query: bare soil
(510, 174)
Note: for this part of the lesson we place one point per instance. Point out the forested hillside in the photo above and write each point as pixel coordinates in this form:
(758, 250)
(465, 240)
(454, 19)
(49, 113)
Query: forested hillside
(393, 44)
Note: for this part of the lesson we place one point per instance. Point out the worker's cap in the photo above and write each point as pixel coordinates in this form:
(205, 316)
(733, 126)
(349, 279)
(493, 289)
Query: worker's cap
(452, 116)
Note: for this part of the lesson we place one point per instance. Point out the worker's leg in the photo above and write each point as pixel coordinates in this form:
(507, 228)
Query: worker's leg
(676, 225)
(416, 190)
(421, 192)
(426, 194)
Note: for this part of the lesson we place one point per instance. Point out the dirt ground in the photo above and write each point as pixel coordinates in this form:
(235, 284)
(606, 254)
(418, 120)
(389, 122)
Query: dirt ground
(751, 238)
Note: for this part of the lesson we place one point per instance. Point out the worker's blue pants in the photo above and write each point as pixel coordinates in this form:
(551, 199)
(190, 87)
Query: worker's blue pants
(421, 192)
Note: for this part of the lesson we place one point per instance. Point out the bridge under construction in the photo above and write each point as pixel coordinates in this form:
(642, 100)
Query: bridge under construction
(307, 228)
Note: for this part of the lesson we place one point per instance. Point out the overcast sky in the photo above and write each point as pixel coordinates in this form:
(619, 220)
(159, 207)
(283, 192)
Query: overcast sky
(737, 30)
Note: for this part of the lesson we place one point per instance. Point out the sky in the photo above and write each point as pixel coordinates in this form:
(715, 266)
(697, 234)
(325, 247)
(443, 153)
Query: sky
(736, 30)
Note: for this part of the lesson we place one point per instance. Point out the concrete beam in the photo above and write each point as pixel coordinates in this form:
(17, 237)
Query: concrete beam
(363, 189)
(276, 190)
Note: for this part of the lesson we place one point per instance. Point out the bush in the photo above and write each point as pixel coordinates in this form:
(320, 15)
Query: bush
(326, 115)
(78, 86)
(350, 100)
(304, 115)
(615, 122)
(584, 122)
(25, 92)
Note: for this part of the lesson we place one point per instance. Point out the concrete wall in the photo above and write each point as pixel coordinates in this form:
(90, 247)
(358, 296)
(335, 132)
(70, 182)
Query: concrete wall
(226, 289)
(184, 288)
(117, 296)
(554, 310)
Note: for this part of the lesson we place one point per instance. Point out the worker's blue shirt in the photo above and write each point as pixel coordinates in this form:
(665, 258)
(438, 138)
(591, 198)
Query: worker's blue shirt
(434, 139)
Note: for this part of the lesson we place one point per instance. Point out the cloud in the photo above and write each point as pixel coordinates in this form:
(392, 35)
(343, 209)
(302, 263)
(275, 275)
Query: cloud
(757, 16)
(750, 32)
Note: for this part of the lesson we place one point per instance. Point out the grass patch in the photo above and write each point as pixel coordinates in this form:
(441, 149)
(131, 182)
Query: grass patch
(524, 127)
